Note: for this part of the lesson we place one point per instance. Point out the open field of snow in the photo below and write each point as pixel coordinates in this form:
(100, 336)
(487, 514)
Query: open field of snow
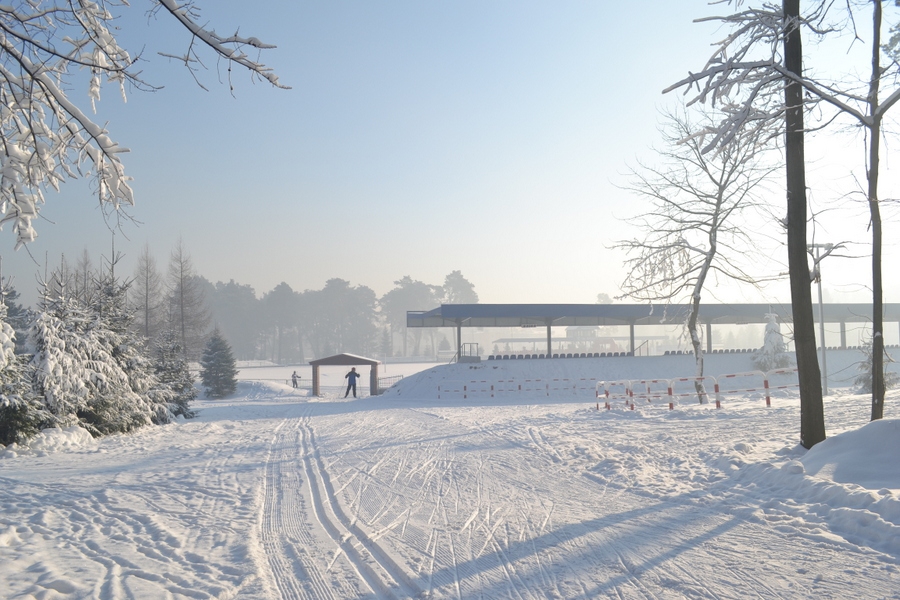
(272, 494)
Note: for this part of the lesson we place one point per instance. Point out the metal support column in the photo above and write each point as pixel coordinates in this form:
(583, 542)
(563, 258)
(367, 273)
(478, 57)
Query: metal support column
(631, 331)
(549, 341)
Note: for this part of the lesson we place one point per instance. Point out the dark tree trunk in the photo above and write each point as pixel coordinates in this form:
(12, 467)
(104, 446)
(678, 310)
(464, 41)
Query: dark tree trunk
(812, 417)
(875, 213)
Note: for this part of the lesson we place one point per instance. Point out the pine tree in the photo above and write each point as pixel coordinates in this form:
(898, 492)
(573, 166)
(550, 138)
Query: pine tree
(866, 366)
(57, 343)
(88, 368)
(112, 324)
(21, 413)
(175, 379)
(188, 312)
(217, 367)
(17, 316)
(146, 296)
(773, 354)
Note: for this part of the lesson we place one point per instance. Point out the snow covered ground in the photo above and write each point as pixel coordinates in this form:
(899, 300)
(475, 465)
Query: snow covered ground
(526, 494)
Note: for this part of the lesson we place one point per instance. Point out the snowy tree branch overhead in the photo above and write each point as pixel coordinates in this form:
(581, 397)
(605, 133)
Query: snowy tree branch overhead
(45, 136)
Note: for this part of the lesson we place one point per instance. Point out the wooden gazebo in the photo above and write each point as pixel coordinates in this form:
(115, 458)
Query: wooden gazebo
(345, 360)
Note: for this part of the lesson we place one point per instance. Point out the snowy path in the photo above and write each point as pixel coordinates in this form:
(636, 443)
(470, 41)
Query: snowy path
(272, 496)
(512, 502)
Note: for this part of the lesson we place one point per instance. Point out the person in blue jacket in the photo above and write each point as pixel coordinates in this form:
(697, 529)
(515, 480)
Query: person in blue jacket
(351, 378)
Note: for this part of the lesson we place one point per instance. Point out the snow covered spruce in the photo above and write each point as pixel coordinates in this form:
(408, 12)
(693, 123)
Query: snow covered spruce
(217, 367)
(86, 366)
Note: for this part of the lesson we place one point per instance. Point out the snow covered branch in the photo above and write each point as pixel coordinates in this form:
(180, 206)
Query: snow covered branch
(230, 48)
(745, 76)
(46, 138)
(696, 223)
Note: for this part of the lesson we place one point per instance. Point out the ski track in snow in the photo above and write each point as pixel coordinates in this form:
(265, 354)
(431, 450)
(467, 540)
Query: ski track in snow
(274, 496)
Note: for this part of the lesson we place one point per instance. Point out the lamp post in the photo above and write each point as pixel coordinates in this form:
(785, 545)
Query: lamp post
(818, 272)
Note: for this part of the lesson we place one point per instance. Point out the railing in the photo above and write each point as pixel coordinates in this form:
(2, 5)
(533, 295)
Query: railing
(386, 382)
(651, 389)
(546, 387)
(301, 383)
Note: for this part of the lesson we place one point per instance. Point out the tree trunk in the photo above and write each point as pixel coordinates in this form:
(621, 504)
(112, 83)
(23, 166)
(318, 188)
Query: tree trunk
(812, 418)
(875, 213)
(697, 345)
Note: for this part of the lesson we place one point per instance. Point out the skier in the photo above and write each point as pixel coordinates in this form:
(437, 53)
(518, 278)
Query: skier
(351, 378)
(294, 379)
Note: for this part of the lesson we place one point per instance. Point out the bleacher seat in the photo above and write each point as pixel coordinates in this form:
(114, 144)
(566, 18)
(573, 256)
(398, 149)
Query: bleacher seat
(491, 357)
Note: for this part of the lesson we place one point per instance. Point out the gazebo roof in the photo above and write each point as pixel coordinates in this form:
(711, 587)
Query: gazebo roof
(343, 360)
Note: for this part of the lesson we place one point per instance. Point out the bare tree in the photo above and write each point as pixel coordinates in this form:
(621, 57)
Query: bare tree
(752, 76)
(146, 295)
(46, 138)
(188, 313)
(696, 226)
(748, 87)
(83, 277)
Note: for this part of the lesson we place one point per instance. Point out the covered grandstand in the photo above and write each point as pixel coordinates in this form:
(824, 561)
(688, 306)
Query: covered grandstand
(631, 315)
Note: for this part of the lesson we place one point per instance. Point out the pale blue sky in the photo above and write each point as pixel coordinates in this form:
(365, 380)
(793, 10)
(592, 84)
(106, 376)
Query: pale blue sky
(419, 138)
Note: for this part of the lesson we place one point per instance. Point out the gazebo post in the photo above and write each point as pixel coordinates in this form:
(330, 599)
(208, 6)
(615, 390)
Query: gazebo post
(373, 380)
(315, 377)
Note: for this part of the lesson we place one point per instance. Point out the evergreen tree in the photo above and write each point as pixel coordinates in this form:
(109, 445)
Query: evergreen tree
(188, 313)
(217, 367)
(146, 296)
(21, 413)
(113, 325)
(773, 354)
(17, 316)
(175, 379)
(866, 366)
(58, 364)
(86, 365)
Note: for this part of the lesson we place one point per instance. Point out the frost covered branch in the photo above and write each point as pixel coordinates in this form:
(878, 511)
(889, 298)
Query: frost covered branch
(696, 223)
(46, 138)
(230, 48)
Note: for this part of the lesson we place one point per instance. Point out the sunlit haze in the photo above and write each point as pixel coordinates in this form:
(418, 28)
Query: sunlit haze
(420, 138)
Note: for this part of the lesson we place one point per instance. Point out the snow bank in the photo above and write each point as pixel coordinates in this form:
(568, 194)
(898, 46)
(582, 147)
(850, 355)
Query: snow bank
(866, 456)
(49, 441)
